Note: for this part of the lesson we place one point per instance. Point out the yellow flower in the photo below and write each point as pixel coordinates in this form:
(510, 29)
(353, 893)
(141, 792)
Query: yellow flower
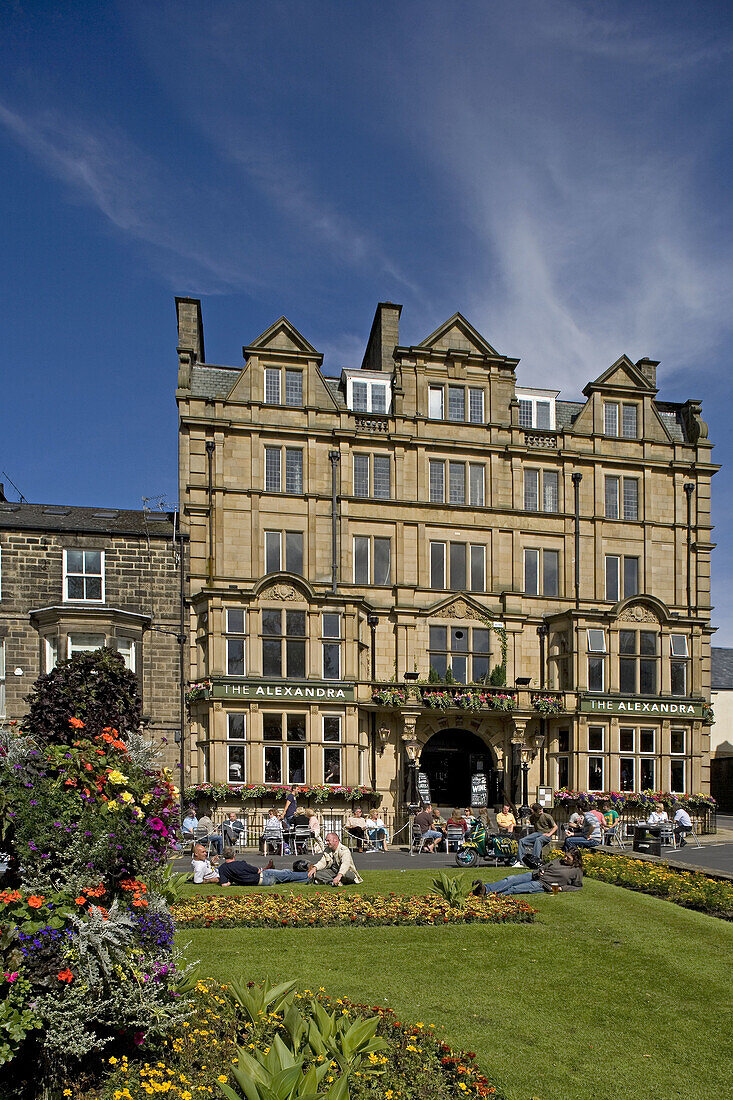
(222, 1077)
(116, 777)
(66, 1092)
(125, 796)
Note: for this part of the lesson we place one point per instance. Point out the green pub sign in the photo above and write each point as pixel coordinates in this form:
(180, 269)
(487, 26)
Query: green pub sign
(632, 706)
(304, 691)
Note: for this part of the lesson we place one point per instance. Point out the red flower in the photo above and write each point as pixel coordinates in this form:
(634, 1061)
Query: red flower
(36, 902)
(76, 723)
(65, 975)
(80, 901)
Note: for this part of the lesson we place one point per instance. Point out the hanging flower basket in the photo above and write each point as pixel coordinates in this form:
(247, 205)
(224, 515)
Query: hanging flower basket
(198, 691)
(547, 704)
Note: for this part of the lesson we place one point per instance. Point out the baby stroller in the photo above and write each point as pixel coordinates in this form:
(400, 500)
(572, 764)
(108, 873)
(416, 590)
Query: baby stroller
(479, 844)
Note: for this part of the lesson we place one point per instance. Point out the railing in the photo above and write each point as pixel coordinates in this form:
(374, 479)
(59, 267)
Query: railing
(332, 819)
(445, 696)
(540, 439)
(371, 424)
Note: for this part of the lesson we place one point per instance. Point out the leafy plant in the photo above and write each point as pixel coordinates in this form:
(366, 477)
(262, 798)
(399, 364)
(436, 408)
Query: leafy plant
(452, 888)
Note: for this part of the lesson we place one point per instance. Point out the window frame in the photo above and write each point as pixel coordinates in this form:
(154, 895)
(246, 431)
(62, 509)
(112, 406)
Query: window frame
(238, 743)
(332, 641)
(332, 746)
(443, 545)
(534, 400)
(436, 465)
(238, 637)
(541, 571)
(611, 422)
(627, 407)
(611, 504)
(67, 574)
(470, 654)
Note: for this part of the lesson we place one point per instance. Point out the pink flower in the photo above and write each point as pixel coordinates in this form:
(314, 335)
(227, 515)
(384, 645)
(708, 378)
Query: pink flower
(156, 824)
(138, 1038)
(11, 976)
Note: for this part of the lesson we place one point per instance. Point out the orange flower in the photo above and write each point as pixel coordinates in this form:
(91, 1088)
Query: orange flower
(80, 901)
(10, 895)
(65, 975)
(36, 902)
(76, 723)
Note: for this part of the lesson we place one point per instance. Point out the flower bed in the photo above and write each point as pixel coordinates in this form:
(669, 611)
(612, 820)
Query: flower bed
(644, 800)
(250, 792)
(408, 1062)
(686, 888)
(321, 908)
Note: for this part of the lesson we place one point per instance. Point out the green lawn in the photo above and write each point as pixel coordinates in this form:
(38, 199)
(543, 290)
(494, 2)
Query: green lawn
(609, 994)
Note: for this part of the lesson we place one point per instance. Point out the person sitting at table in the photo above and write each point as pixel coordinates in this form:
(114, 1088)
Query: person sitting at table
(544, 828)
(658, 815)
(506, 821)
(469, 817)
(314, 824)
(336, 865)
(212, 836)
(376, 831)
(591, 835)
(237, 872)
(457, 818)
(272, 833)
(426, 824)
(233, 828)
(574, 826)
(565, 873)
(356, 828)
(610, 820)
(682, 825)
(202, 869)
(190, 824)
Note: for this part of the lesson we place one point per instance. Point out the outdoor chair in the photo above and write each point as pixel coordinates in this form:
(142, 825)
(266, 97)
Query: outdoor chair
(418, 842)
(687, 833)
(453, 836)
(666, 835)
(276, 839)
(302, 840)
(614, 836)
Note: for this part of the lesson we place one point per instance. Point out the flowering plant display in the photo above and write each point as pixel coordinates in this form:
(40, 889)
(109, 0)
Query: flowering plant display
(230, 1029)
(198, 691)
(619, 800)
(390, 696)
(687, 888)
(250, 792)
(547, 704)
(468, 698)
(319, 908)
(708, 715)
(85, 936)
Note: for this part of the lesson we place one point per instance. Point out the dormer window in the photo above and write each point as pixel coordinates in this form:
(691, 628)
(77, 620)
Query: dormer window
(537, 409)
(368, 395)
(287, 383)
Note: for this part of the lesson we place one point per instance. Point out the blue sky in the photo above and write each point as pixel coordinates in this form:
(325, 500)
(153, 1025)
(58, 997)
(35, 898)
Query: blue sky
(558, 172)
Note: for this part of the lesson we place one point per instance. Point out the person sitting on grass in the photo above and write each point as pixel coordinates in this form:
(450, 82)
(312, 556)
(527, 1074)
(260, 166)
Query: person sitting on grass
(565, 873)
(591, 835)
(237, 872)
(202, 869)
(545, 828)
(425, 822)
(336, 865)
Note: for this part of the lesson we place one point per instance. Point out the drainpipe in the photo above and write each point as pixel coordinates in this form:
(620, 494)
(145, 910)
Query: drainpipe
(542, 631)
(372, 621)
(335, 457)
(577, 478)
(689, 488)
(210, 446)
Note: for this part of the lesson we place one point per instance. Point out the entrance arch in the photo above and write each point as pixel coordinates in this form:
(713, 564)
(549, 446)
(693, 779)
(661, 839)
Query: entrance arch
(449, 759)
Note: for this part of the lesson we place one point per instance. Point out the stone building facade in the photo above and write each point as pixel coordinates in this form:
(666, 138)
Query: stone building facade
(73, 579)
(356, 540)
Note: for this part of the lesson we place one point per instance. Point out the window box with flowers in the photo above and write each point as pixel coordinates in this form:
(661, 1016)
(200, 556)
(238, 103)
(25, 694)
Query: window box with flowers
(547, 704)
(198, 691)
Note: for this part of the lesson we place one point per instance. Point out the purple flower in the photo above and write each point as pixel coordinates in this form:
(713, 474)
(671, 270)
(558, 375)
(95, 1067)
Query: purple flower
(156, 825)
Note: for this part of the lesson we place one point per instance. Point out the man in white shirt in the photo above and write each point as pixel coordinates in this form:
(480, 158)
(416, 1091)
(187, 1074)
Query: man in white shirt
(682, 826)
(336, 865)
(202, 869)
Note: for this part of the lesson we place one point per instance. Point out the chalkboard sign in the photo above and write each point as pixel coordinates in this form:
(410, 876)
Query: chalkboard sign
(545, 797)
(423, 788)
(479, 789)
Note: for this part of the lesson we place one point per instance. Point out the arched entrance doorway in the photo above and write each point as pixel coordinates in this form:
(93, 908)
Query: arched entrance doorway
(450, 758)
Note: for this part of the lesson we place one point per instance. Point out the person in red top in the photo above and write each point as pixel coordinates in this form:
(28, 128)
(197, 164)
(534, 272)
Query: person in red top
(457, 818)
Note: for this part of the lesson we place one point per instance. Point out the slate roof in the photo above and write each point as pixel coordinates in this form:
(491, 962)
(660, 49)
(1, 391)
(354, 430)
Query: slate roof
(336, 391)
(97, 521)
(672, 420)
(721, 669)
(213, 381)
(566, 413)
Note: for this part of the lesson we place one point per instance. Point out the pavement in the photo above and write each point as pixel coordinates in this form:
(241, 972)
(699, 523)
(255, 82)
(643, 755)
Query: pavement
(714, 857)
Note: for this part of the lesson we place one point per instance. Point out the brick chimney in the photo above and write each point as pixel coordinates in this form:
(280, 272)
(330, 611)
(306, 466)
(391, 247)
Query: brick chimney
(648, 368)
(383, 339)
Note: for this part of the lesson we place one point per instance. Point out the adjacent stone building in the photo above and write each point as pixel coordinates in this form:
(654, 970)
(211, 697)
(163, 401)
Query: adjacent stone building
(74, 579)
(356, 541)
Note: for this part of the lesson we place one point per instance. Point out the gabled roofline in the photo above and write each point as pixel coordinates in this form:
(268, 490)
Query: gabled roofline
(304, 347)
(462, 322)
(642, 382)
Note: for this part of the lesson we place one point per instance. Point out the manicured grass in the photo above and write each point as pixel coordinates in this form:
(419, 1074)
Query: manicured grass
(610, 994)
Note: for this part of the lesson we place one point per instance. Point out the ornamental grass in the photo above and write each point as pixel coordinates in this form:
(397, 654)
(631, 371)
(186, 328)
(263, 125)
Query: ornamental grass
(686, 888)
(412, 1063)
(321, 908)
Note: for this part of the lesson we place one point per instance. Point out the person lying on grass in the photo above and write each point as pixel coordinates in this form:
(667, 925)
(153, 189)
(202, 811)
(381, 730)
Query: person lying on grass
(336, 865)
(565, 873)
(237, 872)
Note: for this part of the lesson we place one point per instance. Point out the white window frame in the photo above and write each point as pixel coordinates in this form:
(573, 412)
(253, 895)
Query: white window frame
(126, 647)
(332, 745)
(647, 729)
(480, 484)
(368, 541)
(66, 575)
(274, 537)
(602, 749)
(384, 384)
(683, 751)
(479, 550)
(613, 594)
(602, 759)
(612, 481)
(436, 402)
(624, 433)
(236, 636)
(536, 397)
(50, 652)
(327, 639)
(632, 500)
(362, 458)
(72, 648)
(301, 470)
(527, 552)
(238, 743)
(679, 760)
(683, 638)
(596, 657)
(531, 489)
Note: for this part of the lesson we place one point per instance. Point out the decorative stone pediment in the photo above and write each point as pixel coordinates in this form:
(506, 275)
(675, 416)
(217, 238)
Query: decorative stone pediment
(638, 613)
(458, 334)
(282, 336)
(459, 607)
(281, 592)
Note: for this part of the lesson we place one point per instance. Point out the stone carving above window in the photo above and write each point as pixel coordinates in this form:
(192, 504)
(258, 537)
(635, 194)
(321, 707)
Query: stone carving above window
(637, 613)
(281, 592)
(460, 609)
